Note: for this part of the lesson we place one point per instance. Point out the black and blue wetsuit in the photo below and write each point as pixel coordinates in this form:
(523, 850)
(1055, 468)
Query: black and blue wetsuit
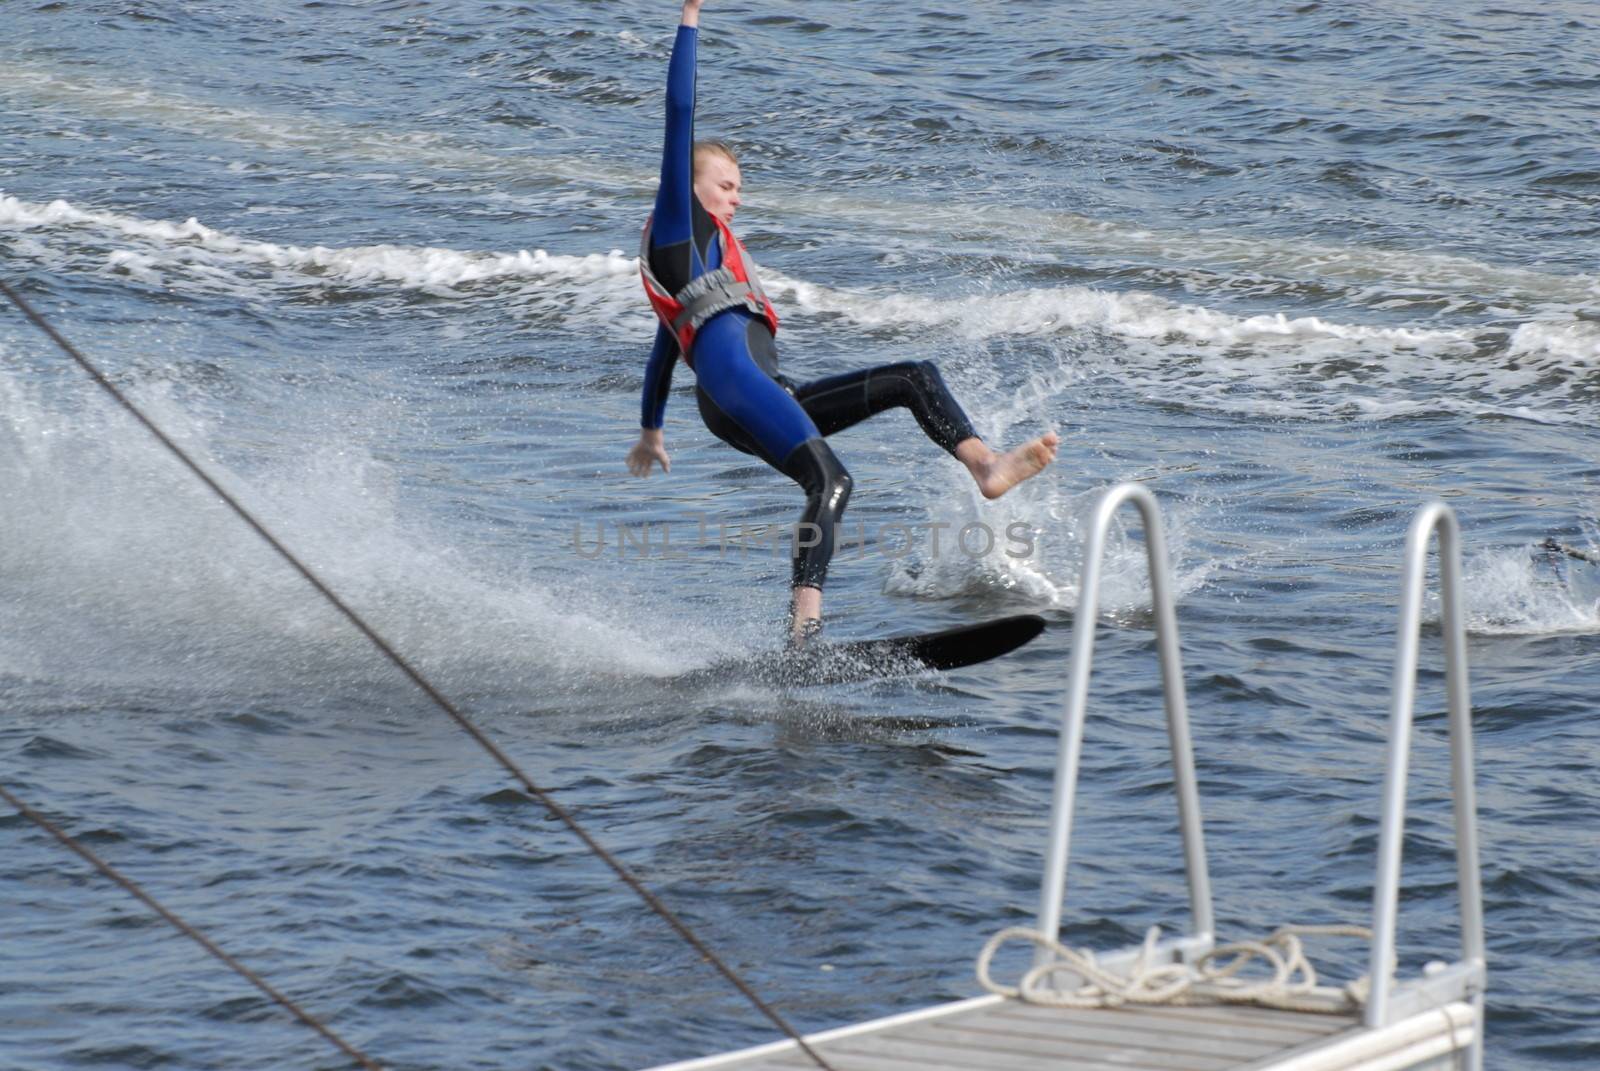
(743, 398)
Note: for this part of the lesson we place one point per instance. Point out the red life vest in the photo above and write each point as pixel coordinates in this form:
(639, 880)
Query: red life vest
(734, 285)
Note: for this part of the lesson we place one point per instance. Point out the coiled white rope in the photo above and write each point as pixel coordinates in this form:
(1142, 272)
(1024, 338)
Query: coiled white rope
(1213, 979)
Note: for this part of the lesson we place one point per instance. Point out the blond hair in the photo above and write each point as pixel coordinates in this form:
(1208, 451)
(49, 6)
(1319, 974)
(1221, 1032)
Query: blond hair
(712, 146)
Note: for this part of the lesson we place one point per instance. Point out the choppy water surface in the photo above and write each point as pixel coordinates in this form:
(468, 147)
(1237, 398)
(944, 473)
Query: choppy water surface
(1299, 268)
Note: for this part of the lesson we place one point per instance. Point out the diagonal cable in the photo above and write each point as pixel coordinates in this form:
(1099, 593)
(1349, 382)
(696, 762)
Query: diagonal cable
(187, 930)
(426, 686)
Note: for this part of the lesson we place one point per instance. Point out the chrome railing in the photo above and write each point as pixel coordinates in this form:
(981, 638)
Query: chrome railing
(1465, 979)
(1053, 893)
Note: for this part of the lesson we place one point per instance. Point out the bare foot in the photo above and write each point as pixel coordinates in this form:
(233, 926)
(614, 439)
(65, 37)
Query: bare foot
(1001, 472)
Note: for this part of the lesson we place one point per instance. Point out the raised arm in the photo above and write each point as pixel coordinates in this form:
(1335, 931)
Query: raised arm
(673, 222)
(675, 196)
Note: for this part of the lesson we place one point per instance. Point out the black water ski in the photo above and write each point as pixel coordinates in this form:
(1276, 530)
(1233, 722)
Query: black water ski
(863, 660)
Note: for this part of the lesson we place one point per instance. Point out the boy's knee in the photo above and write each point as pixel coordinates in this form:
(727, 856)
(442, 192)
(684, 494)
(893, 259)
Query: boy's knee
(817, 469)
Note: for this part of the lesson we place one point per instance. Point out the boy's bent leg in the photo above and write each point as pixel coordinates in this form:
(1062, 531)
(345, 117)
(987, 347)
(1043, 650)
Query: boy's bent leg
(746, 408)
(838, 402)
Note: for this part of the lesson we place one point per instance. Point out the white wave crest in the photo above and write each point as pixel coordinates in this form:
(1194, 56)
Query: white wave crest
(1130, 314)
(424, 268)
(1576, 341)
(1268, 364)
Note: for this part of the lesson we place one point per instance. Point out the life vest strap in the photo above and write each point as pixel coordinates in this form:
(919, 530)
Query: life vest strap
(714, 292)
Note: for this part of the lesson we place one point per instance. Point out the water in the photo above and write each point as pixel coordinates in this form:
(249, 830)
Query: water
(1297, 268)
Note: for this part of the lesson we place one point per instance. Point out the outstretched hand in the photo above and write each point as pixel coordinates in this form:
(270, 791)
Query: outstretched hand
(691, 12)
(650, 449)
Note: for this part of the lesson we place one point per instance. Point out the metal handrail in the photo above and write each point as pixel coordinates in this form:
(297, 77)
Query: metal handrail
(1053, 891)
(1440, 518)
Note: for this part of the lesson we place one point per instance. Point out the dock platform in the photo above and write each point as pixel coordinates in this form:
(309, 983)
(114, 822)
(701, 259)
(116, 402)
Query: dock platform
(994, 1033)
(1075, 1010)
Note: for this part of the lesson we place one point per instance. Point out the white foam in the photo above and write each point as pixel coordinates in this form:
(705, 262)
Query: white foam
(408, 266)
(1029, 542)
(1267, 364)
(597, 290)
(1521, 592)
(1074, 308)
(1046, 235)
(1027, 232)
(1574, 341)
(116, 566)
